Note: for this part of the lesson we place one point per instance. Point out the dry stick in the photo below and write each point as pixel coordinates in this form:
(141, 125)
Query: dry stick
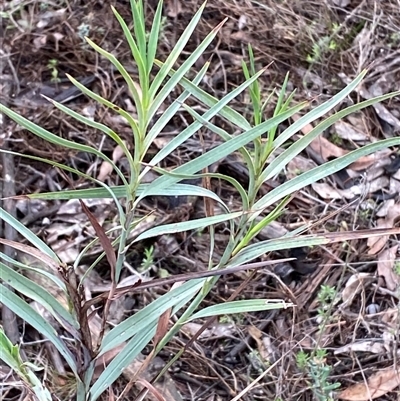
(139, 286)
(8, 316)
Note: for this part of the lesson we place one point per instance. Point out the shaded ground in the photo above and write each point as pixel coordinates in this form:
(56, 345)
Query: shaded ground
(321, 46)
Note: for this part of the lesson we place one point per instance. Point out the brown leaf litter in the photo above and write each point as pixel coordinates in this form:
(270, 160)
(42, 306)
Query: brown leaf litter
(377, 385)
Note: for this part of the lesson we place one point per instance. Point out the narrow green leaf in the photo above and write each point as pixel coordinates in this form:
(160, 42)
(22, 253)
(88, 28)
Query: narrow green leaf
(187, 225)
(319, 111)
(319, 173)
(139, 26)
(120, 192)
(244, 306)
(128, 79)
(48, 136)
(281, 106)
(178, 324)
(35, 292)
(196, 125)
(221, 151)
(149, 315)
(30, 316)
(278, 164)
(9, 354)
(176, 51)
(280, 103)
(243, 151)
(42, 393)
(218, 176)
(182, 70)
(101, 127)
(132, 122)
(12, 262)
(153, 37)
(29, 235)
(227, 112)
(254, 251)
(171, 111)
(77, 172)
(256, 227)
(138, 55)
(124, 358)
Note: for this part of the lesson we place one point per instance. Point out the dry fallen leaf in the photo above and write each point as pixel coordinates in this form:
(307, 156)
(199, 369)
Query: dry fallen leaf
(106, 168)
(298, 165)
(381, 157)
(49, 16)
(321, 145)
(394, 185)
(375, 185)
(355, 284)
(383, 113)
(116, 121)
(326, 191)
(240, 36)
(377, 243)
(386, 262)
(385, 207)
(386, 83)
(380, 383)
(264, 344)
(219, 330)
(162, 141)
(373, 347)
(326, 149)
(348, 131)
(391, 318)
(273, 230)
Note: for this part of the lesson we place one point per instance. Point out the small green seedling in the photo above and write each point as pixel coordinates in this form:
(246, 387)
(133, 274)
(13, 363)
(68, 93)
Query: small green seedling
(52, 66)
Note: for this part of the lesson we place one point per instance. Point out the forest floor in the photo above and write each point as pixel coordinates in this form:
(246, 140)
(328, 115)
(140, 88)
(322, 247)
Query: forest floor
(344, 328)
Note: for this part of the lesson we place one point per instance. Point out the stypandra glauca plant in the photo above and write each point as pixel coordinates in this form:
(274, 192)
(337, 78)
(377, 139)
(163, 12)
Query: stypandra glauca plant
(83, 351)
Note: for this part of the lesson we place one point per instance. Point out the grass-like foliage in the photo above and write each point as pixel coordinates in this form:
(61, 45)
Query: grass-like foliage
(157, 80)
